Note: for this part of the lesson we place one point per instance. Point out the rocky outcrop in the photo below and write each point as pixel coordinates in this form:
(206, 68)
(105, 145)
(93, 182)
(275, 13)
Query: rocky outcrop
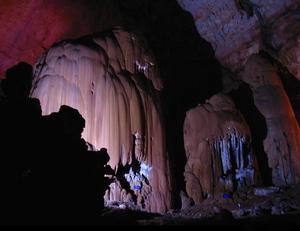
(283, 138)
(239, 28)
(218, 149)
(112, 79)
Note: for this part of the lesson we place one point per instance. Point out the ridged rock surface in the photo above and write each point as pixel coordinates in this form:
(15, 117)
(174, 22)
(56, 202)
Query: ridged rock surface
(218, 149)
(113, 81)
(282, 144)
(235, 35)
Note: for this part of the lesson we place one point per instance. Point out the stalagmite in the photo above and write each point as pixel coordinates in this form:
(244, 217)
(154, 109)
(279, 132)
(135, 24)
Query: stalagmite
(98, 76)
(218, 148)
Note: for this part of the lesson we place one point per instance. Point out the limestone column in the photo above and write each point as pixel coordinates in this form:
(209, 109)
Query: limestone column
(282, 144)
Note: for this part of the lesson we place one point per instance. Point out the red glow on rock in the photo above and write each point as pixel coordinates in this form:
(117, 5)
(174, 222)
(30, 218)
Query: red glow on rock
(29, 27)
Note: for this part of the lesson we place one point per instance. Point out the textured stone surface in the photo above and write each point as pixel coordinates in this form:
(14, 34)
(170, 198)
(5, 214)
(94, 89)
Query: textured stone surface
(218, 149)
(286, 31)
(234, 35)
(283, 137)
(28, 27)
(113, 80)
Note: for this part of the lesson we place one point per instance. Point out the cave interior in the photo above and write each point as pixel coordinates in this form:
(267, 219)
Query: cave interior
(195, 105)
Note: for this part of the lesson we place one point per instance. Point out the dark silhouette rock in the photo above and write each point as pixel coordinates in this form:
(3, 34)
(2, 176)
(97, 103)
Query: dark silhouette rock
(47, 173)
(17, 83)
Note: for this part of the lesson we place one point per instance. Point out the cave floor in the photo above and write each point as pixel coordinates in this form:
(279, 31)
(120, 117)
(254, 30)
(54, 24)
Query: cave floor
(244, 209)
(125, 217)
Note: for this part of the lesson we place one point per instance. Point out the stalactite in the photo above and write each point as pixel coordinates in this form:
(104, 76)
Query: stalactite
(236, 158)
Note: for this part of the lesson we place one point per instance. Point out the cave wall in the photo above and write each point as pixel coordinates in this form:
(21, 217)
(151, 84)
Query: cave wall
(29, 27)
(112, 79)
(238, 29)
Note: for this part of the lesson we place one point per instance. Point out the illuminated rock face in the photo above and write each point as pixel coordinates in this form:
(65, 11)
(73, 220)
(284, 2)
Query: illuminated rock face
(282, 144)
(218, 148)
(113, 81)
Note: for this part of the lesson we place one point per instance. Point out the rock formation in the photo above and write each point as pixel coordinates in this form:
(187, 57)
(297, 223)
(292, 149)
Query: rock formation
(282, 143)
(286, 32)
(273, 26)
(112, 79)
(218, 148)
(239, 29)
